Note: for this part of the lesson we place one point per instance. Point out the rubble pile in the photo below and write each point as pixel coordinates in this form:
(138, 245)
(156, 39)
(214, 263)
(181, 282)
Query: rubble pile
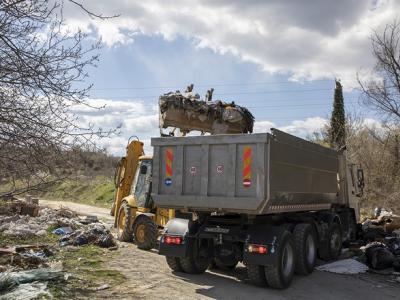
(25, 225)
(381, 237)
(187, 112)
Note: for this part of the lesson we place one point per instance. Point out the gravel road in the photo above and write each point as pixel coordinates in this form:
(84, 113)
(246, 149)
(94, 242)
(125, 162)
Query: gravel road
(148, 277)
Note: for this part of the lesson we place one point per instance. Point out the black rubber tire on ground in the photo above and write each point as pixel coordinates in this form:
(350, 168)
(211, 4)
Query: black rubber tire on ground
(256, 275)
(332, 246)
(193, 264)
(148, 238)
(223, 266)
(124, 229)
(306, 248)
(174, 263)
(280, 276)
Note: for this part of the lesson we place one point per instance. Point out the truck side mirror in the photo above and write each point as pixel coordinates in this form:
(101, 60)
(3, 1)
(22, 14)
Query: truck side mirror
(143, 169)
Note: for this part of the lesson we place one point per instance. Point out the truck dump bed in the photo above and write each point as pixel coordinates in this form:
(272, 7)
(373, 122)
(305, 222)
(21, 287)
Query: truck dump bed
(244, 173)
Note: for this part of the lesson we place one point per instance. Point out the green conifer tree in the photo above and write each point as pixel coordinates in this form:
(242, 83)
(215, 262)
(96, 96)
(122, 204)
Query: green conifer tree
(337, 131)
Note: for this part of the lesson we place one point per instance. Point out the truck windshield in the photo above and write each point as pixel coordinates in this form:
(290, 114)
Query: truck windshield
(141, 188)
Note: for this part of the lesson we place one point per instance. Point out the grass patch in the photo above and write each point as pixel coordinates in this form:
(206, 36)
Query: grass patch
(85, 263)
(98, 191)
(6, 240)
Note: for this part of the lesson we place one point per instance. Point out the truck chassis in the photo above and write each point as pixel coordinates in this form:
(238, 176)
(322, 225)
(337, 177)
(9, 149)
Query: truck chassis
(272, 247)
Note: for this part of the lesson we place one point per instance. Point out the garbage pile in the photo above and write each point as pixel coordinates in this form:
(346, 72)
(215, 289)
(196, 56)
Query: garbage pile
(72, 229)
(25, 225)
(376, 250)
(29, 284)
(95, 234)
(187, 112)
(381, 235)
(11, 206)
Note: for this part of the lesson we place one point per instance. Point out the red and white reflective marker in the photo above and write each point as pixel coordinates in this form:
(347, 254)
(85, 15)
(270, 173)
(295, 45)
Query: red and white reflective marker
(193, 170)
(220, 169)
(246, 182)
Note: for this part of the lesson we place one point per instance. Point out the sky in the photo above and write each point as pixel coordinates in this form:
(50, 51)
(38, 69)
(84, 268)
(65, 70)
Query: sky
(279, 58)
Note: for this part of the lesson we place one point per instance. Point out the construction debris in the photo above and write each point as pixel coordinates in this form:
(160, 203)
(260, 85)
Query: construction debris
(12, 206)
(26, 256)
(187, 112)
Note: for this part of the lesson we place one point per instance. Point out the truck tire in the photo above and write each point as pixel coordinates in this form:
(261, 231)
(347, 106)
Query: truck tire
(256, 275)
(124, 229)
(280, 275)
(145, 232)
(306, 248)
(174, 263)
(193, 263)
(332, 246)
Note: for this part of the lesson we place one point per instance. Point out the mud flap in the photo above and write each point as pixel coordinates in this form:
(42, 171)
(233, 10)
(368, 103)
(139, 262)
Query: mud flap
(264, 235)
(175, 227)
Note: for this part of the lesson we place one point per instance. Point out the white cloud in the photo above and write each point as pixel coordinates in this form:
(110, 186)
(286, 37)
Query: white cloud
(303, 128)
(305, 39)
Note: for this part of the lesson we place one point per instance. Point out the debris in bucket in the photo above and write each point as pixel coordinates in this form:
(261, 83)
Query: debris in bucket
(187, 112)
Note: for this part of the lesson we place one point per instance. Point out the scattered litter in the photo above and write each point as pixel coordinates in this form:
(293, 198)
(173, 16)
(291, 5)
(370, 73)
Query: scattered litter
(95, 234)
(28, 284)
(379, 256)
(25, 256)
(345, 266)
(28, 291)
(89, 220)
(62, 230)
(102, 287)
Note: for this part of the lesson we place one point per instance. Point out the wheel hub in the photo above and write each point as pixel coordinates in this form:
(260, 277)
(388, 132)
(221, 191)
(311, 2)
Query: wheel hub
(140, 233)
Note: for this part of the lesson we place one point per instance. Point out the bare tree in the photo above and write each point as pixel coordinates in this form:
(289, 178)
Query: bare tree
(384, 93)
(43, 68)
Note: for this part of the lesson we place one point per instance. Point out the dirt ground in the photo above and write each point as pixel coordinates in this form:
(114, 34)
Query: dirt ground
(148, 277)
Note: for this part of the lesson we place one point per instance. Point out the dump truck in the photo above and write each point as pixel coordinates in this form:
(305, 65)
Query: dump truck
(135, 215)
(272, 201)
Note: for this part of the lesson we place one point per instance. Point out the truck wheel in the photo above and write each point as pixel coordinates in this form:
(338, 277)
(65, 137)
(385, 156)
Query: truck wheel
(124, 230)
(197, 262)
(219, 264)
(305, 246)
(174, 263)
(256, 275)
(145, 232)
(332, 246)
(280, 275)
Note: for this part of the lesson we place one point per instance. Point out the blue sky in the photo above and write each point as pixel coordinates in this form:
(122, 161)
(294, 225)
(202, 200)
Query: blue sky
(278, 59)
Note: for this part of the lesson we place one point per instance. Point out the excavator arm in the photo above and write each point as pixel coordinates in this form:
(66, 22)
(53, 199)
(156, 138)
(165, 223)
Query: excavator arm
(125, 173)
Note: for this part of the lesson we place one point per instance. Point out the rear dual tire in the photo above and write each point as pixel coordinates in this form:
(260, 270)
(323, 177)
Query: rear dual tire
(280, 275)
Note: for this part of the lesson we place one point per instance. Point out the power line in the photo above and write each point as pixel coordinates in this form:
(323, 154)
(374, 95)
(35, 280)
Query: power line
(213, 85)
(237, 93)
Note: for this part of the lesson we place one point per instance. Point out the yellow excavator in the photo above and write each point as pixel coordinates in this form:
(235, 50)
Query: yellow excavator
(135, 215)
